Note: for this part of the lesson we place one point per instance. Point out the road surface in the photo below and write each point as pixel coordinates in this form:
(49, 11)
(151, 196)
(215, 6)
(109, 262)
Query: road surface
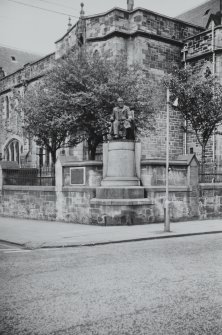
(160, 287)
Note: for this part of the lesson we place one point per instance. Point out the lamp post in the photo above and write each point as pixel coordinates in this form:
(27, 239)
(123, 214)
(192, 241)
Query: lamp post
(167, 218)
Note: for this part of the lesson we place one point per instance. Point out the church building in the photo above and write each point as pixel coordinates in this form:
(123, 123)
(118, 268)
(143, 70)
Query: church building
(156, 41)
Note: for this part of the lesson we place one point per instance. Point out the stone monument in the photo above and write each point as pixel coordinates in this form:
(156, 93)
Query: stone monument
(121, 154)
(120, 199)
(122, 122)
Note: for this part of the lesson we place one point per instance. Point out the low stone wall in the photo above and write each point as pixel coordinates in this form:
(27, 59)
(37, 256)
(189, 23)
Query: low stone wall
(32, 202)
(182, 206)
(154, 174)
(86, 203)
(72, 204)
(210, 201)
(45, 203)
(121, 212)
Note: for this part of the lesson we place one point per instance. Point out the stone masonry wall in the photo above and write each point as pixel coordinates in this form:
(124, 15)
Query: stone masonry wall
(159, 55)
(199, 44)
(44, 203)
(145, 20)
(28, 202)
(155, 144)
(28, 72)
(180, 205)
(202, 43)
(210, 201)
(73, 205)
(110, 48)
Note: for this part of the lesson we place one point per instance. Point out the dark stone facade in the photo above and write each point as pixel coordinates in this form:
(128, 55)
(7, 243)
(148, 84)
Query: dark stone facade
(156, 41)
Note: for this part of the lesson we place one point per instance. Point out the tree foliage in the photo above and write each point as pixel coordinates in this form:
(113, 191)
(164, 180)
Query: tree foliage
(74, 100)
(47, 123)
(199, 99)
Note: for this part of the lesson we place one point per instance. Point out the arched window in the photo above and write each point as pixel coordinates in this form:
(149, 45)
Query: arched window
(17, 152)
(7, 106)
(12, 151)
(7, 156)
(12, 148)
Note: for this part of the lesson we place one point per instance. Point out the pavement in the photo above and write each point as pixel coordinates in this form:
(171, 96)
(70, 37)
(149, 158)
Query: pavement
(34, 234)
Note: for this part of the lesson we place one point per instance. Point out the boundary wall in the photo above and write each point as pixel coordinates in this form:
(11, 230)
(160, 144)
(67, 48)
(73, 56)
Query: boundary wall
(71, 203)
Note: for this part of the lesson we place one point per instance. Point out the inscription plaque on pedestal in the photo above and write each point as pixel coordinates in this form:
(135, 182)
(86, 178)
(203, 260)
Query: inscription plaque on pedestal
(77, 176)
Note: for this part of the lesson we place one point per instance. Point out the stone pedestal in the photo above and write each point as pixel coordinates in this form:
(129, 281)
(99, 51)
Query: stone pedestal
(119, 162)
(120, 200)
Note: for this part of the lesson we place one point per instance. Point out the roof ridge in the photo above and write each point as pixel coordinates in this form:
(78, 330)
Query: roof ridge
(196, 6)
(21, 50)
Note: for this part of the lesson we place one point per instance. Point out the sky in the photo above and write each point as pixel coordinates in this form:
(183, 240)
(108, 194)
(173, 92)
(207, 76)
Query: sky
(32, 29)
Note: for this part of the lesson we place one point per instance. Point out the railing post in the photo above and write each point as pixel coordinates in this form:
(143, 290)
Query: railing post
(1, 179)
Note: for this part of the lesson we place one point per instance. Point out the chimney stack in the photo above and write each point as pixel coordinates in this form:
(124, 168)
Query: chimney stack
(130, 5)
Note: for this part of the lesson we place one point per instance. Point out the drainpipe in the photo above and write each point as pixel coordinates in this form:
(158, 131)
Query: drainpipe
(214, 71)
(213, 47)
(185, 122)
(221, 11)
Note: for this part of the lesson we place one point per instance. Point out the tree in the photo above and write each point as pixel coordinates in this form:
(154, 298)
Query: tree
(199, 99)
(49, 124)
(76, 97)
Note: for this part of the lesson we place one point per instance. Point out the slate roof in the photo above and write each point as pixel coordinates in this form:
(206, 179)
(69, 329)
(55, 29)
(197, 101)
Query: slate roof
(13, 59)
(200, 14)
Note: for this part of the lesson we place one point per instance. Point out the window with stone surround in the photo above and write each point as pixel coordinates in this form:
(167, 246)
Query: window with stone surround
(12, 151)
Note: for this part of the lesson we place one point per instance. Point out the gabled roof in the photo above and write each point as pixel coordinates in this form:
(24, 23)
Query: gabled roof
(199, 15)
(13, 59)
(214, 17)
(188, 158)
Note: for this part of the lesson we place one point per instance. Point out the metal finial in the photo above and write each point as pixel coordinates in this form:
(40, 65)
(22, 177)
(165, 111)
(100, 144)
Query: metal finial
(130, 5)
(69, 24)
(82, 13)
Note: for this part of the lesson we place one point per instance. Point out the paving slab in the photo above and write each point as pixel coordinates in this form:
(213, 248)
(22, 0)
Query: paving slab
(49, 234)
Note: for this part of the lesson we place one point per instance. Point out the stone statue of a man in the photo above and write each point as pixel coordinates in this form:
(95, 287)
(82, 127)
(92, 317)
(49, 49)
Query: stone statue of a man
(122, 121)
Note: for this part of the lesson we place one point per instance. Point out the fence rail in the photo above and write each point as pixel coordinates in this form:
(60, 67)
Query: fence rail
(29, 177)
(210, 177)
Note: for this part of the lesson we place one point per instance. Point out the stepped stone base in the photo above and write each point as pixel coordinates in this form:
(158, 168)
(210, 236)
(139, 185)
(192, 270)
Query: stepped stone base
(120, 200)
(120, 212)
(134, 192)
(120, 181)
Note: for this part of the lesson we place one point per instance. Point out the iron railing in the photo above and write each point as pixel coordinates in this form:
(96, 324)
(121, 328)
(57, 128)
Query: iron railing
(210, 177)
(44, 176)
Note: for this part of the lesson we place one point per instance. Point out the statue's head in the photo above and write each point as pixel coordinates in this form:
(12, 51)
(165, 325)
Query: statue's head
(120, 102)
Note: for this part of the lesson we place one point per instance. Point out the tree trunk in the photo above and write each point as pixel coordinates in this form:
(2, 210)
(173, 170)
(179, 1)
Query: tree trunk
(202, 170)
(53, 155)
(92, 154)
(92, 145)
